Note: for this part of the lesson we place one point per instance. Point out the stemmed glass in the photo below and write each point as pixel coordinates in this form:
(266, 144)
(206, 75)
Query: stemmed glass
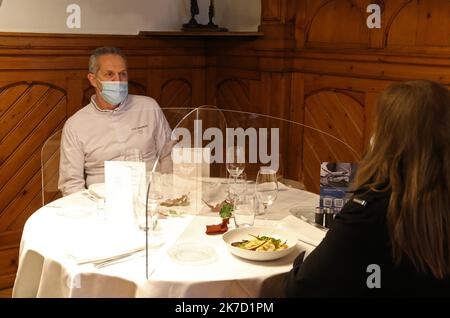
(133, 154)
(266, 187)
(238, 186)
(134, 157)
(235, 161)
(147, 213)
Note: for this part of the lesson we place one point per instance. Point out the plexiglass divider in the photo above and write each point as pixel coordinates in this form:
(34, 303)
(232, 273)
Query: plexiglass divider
(210, 150)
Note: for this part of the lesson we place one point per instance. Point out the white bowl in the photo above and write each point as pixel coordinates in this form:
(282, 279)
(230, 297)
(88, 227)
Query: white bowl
(240, 234)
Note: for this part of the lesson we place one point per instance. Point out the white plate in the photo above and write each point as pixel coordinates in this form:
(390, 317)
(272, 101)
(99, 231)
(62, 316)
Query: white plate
(97, 189)
(240, 234)
(192, 253)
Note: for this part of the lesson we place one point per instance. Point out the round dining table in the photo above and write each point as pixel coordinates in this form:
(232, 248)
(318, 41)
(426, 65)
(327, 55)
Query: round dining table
(69, 248)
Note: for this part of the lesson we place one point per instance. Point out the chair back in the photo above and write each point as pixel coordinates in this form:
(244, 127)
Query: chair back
(50, 154)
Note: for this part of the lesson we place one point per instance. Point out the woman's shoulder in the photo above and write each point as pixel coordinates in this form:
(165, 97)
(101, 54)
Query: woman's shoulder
(365, 207)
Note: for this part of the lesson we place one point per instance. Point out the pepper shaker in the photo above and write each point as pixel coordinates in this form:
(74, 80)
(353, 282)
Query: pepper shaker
(329, 214)
(318, 216)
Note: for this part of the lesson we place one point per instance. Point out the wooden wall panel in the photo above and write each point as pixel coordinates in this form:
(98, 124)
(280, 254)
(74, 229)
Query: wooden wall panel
(176, 93)
(233, 94)
(334, 130)
(326, 27)
(419, 24)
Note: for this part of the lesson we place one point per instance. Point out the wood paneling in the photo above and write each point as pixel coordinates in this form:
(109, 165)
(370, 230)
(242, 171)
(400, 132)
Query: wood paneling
(176, 93)
(233, 94)
(334, 130)
(271, 10)
(317, 64)
(352, 33)
(6, 293)
(419, 23)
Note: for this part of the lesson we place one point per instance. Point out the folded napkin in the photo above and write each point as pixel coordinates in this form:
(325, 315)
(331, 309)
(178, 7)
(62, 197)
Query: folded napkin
(283, 187)
(97, 190)
(305, 232)
(90, 249)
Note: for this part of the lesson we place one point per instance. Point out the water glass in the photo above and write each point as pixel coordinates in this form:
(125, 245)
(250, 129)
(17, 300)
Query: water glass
(244, 210)
(266, 187)
(235, 161)
(237, 185)
(133, 154)
(150, 196)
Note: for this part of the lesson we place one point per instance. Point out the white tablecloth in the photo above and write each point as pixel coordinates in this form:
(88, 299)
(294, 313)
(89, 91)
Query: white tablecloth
(72, 226)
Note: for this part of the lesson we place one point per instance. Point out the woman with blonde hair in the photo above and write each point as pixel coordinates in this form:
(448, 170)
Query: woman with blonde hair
(392, 238)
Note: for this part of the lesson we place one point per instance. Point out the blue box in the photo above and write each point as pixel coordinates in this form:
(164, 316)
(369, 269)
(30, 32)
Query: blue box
(335, 180)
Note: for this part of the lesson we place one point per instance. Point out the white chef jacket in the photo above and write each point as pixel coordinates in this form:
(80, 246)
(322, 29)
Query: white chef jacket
(93, 135)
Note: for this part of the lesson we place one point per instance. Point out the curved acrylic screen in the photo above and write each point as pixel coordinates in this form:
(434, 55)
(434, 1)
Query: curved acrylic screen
(212, 149)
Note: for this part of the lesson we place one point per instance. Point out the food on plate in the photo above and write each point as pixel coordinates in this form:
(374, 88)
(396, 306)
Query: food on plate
(171, 212)
(181, 201)
(218, 228)
(218, 207)
(226, 211)
(261, 243)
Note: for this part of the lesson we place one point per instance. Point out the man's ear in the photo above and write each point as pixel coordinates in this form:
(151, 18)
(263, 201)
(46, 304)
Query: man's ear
(93, 81)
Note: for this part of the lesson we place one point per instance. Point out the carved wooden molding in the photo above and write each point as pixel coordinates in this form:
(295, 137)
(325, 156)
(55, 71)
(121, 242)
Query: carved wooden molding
(241, 98)
(271, 10)
(392, 19)
(180, 85)
(324, 4)
(352, 94)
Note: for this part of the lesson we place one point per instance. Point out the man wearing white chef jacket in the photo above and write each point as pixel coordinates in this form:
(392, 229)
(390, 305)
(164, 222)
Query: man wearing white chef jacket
(109, 125)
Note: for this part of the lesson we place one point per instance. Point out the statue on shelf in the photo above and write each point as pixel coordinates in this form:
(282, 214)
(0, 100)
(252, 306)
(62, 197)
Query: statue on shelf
(193, 25)
(194, 11)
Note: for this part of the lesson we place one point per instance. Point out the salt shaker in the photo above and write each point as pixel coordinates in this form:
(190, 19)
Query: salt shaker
(318, 216)
(328, 216)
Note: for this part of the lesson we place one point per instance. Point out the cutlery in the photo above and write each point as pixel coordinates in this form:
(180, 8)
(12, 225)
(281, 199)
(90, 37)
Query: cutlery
(95, 195)
(320, 227)
(118, 260)
(89, 196)
(112, 258)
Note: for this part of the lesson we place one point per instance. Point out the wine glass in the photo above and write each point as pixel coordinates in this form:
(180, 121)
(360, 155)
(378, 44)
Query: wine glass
(134, 159)
(235, 161)
(153, 200)
(147, 214)
(133, 154)
(148, 200)
(266, 187)
(238, 186)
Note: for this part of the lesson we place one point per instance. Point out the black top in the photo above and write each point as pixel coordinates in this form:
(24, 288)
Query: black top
(339, 266)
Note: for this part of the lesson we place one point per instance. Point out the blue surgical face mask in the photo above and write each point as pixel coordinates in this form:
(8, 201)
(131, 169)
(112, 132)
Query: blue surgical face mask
(114, 92)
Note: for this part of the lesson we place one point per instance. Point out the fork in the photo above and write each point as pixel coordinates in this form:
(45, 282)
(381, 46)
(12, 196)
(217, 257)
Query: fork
(112, 258)
(117, 260)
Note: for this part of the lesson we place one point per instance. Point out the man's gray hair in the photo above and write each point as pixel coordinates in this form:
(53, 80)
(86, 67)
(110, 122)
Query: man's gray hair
(106, 50)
